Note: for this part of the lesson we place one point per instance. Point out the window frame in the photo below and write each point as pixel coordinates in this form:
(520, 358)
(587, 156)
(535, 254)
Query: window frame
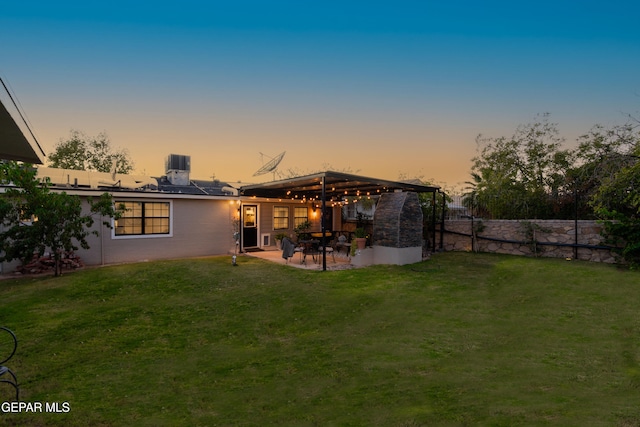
(143, 217)
(288, 217)
(300, 219)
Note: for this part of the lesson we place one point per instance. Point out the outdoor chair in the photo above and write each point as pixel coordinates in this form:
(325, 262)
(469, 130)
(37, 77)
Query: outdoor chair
(309, 247)
(342, 243)
(289, 249)
(13, 345)
(328, 250)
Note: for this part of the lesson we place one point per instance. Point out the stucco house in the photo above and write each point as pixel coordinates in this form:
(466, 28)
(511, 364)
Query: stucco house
(175, 216)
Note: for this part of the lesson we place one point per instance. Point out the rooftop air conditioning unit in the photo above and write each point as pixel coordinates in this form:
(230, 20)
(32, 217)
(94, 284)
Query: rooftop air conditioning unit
(177, 168)
(178, 162)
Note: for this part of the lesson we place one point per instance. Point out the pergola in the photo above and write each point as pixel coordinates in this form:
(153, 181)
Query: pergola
(330, 187)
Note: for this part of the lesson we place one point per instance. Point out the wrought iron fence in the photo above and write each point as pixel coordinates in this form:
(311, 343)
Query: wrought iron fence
(568, 205)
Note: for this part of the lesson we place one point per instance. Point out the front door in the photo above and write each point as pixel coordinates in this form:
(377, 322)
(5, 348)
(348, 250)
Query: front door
(249, 226)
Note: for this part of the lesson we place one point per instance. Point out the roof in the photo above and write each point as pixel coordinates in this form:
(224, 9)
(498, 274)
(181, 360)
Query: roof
(93, 179)
(16, 141)
(115, 182)
(196, 187)
(337, 185)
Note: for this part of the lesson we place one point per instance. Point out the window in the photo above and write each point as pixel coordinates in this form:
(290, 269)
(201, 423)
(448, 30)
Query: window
(280, 217)
(351, 211)
(250, 216)
(143, 218)
(360, 210)
(300, 215)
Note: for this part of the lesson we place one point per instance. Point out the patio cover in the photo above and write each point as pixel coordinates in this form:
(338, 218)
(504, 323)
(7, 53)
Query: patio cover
(328, 186)
(16, 142)
(337, 185)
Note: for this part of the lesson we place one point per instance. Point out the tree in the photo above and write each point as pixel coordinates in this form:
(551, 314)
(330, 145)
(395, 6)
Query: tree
(530, 176)
(610, 173)
(82, 152)
(35, 219)
(601, 154)
(522, 175)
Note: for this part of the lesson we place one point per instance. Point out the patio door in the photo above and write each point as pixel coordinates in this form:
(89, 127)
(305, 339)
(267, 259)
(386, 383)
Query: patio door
(250, 226)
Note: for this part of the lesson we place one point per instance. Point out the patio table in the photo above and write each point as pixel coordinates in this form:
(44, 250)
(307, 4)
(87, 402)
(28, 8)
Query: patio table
(309, 247)
(319, 234)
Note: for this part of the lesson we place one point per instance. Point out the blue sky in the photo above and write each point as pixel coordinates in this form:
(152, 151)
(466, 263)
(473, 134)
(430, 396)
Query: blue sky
(385, 89)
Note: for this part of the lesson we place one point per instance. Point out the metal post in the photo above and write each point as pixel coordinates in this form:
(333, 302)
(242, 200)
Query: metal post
(239, 240)
(473, 232)
(433, 223)
(444, 205)
(575, 226)
(323, 226)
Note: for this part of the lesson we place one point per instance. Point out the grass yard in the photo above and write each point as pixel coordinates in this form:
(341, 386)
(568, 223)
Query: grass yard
(462, 339)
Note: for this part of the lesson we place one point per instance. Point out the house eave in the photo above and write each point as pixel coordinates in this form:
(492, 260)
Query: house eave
(16, 139)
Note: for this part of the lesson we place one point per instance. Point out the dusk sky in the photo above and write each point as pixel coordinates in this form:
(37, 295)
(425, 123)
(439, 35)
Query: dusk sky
(384, 89)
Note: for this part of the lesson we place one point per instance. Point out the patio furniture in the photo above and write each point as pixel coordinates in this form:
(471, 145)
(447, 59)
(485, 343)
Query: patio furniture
(309, 247)
(13, 345)
(320, 251)
(343, 244)
(288, 248)
(318, 234)
(327, 250)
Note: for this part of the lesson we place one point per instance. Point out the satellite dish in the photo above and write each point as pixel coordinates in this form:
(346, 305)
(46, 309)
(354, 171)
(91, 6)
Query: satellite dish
(271, 165)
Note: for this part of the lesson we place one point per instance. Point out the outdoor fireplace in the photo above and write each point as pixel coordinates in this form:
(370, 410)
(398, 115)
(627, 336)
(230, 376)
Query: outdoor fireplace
(397, 229)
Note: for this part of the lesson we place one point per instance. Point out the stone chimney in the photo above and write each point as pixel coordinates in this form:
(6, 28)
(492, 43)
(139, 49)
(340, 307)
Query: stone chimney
(397, 229)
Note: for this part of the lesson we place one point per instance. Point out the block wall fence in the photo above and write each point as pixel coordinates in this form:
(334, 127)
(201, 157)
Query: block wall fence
(546, 238)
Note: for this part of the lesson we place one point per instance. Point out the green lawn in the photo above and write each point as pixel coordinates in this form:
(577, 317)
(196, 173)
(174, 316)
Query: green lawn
(462, 339)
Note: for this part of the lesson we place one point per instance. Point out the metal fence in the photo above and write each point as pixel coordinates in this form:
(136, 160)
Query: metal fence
(565, 206)
(440, 208)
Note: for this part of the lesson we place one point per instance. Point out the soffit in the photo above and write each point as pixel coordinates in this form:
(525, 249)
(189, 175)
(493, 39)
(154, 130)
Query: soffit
(14, 144)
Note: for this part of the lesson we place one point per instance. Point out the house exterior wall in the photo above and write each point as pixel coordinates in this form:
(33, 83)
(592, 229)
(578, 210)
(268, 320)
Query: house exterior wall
(266, 223)
(199, 228)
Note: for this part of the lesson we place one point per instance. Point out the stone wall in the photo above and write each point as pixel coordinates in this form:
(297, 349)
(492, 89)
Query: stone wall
(547, 238)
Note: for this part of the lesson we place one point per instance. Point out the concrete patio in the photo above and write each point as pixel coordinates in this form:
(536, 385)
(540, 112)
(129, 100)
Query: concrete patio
(342, 262)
